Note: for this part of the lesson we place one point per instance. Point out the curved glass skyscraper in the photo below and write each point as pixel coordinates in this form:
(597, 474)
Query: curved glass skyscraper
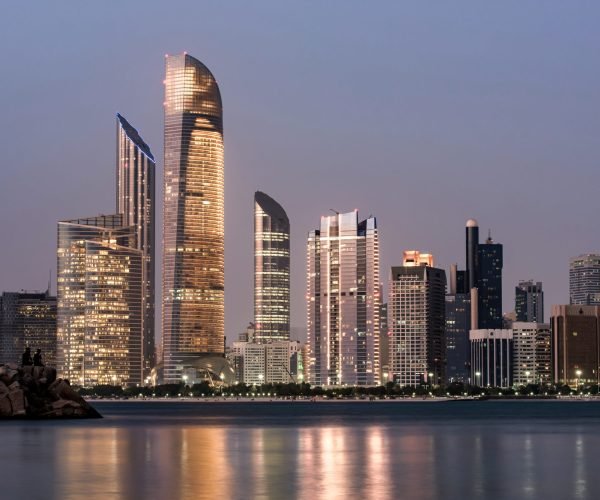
(271, 270)
(193, 236)
(135, 200)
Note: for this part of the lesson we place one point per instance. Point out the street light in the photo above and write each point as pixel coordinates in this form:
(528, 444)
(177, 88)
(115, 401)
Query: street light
(477, 375)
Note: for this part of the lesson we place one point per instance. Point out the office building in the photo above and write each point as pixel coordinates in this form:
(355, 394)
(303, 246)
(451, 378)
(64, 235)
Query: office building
(193, 235)
(275, 362)
(458, 320)
(343, 301)
(529, 302)
(532, 360)
(271, 270)
(416, 321)
(99, 302)
(491, 357)
(489, 285)
(575, 344)
(27, 319)
(584, 279)
(136, 201)
(384, 343)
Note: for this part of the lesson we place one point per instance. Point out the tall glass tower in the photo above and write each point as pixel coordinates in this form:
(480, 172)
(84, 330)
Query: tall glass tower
(193, 236)
(584, 279)
(343, 301)
(271, 270)
(135, 200)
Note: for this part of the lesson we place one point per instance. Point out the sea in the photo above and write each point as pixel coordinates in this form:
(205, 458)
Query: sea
(310, 450)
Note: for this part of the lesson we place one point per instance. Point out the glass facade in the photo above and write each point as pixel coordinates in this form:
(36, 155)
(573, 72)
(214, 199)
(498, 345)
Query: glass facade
(99, 296)
(136, 201)
(193, 236)
(458, 320)
(271, 270)
(489, 286)
(584, 279)
(27, 319)
(529, 302)
(343, 300)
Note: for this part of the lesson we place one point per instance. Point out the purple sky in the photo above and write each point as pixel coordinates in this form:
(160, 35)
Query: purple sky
(421, 116)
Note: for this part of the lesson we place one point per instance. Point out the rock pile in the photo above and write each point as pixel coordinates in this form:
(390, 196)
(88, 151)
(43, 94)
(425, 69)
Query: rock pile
(35, 392)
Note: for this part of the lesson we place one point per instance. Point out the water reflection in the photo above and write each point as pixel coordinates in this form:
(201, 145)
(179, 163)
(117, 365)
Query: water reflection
(416, 461)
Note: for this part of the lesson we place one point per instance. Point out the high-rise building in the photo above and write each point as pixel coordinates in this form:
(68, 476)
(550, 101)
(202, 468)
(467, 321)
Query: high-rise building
(343, 301)
(489, 285)
(193, 236)
(27, 319)
(472, 256)
(274, 362)
(529, 302)
(491, 357)
(532, 359)
(576, 344)
(271, 270)
(458, 320)
(99, 299)
(384, 343)
(136, 201)
(584, 279)
(416, 322)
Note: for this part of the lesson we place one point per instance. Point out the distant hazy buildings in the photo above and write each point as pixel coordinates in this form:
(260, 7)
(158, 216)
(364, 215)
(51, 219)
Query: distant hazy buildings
(100, 296)
(27, 319)
(529, 302)
(491, 357)
(416, 321)
(135, 200)
(193, 236)
(576, 344)
(271, 270)
(532, 356)
(343, 301)
(584, 279)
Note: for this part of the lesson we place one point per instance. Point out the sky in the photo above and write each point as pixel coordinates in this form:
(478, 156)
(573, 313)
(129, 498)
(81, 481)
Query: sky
(423, 114)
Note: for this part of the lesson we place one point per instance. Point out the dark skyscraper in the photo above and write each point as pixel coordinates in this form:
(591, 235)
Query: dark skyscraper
(135, 200)
(193, 236)
(271, 270)
(529, 302)
(458, 320)
(489, 286)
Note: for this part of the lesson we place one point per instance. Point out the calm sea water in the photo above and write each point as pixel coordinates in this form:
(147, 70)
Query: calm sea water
(409, 450)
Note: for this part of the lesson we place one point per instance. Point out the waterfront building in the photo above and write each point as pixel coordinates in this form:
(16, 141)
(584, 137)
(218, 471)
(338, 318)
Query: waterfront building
(343, 301)
(584, 279)
(416, 322)
(458, 320)
(99, 302)
(271, 270)
(135, 175)
(531, 362)
(491, 357)
(529, 302)
(275, 362)
(384, 343)
(575, 344)
(193, 235)
(489, 287)
(27, 319)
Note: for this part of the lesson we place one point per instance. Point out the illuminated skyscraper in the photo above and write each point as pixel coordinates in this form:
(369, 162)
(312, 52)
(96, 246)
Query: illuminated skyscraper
(271, 270)
(135, 200)
(343, 301)
(193, 236)
(99, 299)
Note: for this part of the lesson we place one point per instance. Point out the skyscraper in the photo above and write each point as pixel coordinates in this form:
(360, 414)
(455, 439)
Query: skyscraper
(271, 270)
(193, 236)
(584, 279)
(135, 200)
(458, 319)
(343, 301)
(416, 321)
(532, 359)
(27, 319)
(472, 256)
(489, 285)
(99, 298)
(529, 302)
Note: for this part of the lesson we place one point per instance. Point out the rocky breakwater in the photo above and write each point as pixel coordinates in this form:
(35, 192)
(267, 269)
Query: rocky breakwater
(35, 392)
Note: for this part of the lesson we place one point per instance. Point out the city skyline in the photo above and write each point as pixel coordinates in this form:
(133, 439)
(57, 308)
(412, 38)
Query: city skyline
(474, 164)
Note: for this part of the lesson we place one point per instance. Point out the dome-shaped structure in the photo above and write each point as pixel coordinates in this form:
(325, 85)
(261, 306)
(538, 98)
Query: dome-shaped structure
(472, 223)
